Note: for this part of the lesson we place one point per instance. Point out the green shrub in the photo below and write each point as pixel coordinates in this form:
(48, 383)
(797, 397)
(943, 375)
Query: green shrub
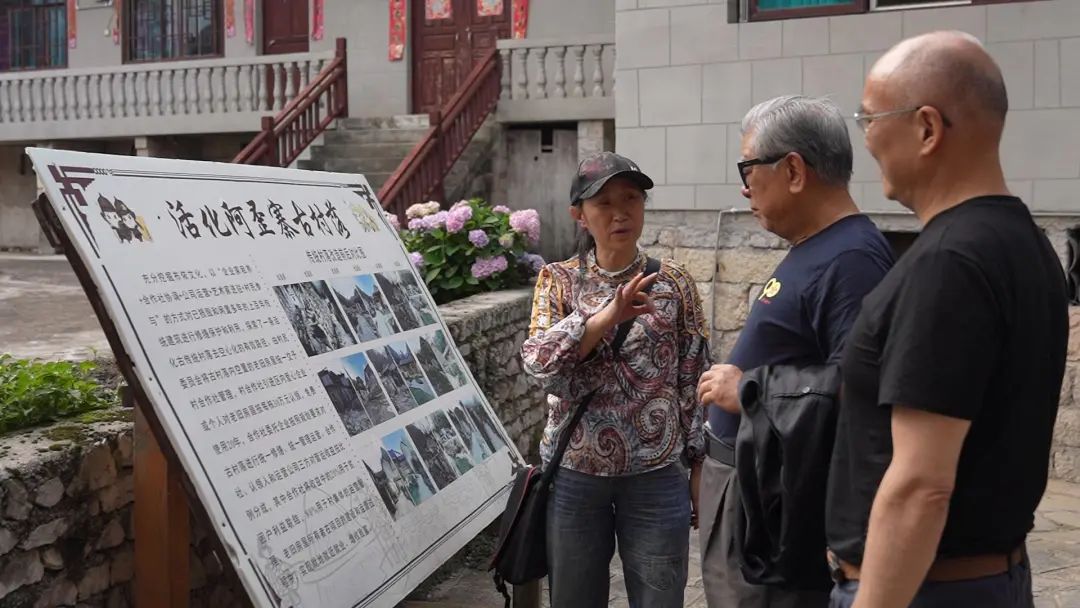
(39, 392)
(472, 247)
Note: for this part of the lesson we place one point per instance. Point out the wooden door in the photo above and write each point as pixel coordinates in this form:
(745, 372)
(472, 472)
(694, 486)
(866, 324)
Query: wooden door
(445, 49)
(285, 26)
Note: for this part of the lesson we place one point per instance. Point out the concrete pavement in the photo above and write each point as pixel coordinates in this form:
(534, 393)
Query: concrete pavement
(1054, 547)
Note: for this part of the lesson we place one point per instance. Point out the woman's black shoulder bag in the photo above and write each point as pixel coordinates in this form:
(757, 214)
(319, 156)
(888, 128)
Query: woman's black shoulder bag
(521, 553)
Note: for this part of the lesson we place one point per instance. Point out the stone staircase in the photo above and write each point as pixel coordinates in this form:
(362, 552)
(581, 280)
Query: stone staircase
(375, 147)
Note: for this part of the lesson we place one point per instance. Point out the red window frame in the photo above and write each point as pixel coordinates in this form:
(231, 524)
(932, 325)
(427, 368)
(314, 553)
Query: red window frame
(146, 40)
(41, 46)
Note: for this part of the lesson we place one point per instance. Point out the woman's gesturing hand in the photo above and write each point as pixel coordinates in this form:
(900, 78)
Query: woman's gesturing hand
(630, 301)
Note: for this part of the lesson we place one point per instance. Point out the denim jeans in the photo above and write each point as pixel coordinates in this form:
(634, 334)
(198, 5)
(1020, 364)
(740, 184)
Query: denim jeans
(1011, 589)
(649, 515)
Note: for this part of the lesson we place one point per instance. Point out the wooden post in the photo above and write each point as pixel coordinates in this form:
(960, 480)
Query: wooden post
(527, 595)
(273, 159)
(160, 519)
(343, 83)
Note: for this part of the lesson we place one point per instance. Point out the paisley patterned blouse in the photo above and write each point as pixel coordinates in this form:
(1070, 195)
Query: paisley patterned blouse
(645, 414)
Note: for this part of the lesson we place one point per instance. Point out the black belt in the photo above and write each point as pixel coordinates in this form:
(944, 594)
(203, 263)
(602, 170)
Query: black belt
(718, 450)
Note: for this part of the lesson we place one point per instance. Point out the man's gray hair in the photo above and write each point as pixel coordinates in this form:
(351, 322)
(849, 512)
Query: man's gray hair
(813, 127)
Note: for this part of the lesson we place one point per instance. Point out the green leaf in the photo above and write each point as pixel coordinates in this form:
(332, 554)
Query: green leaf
(432, 274)
(455, 282)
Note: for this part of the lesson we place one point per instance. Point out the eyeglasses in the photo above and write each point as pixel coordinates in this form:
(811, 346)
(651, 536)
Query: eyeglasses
(863, 119)
(744, 165)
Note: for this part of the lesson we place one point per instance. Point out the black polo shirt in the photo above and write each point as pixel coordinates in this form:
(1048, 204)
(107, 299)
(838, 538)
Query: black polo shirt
(971, 323)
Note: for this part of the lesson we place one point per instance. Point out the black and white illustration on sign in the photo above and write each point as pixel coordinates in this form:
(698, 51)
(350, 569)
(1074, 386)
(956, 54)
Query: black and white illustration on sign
(298, 366)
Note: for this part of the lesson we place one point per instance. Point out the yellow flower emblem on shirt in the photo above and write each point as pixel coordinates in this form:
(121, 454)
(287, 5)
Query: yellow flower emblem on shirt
(771, 289)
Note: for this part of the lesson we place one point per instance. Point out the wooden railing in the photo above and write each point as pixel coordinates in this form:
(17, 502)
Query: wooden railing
(420, 176)
(285, 136)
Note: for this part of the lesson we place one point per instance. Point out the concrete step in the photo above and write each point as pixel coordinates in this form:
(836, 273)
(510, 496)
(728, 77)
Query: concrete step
(362, 151)
(366, 165)
(404, 121)
(374, 136)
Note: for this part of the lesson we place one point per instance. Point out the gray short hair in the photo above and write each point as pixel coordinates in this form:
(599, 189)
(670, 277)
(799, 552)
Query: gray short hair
(813, 127)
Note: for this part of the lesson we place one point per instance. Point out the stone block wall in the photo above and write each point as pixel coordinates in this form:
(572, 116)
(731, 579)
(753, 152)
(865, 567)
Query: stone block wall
(66, 491)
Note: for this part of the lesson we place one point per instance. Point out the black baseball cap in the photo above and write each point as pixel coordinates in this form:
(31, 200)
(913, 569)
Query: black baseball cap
(596, 170)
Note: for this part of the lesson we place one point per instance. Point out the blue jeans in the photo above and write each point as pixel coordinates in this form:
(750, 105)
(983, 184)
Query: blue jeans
(649, 514)
(1011, 589)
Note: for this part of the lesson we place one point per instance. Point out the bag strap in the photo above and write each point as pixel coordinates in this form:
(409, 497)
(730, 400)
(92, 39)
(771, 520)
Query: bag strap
(652, 266)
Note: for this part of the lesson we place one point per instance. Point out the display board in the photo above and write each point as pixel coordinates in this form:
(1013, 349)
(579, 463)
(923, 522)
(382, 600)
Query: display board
(297, 365)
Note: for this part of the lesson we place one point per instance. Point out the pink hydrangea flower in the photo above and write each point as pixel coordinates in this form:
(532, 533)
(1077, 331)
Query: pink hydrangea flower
(533, 261)
(394, 221)
(506, 241)
(478, 238)
(527, 222)
(460, 204)
(455, 221)
(417, 259)
(485, 267)
(501, 209)
(416, 224)
(436, 220)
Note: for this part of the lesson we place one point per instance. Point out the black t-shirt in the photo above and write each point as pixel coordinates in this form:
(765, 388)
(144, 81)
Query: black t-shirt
(806, 308)
(971, 323)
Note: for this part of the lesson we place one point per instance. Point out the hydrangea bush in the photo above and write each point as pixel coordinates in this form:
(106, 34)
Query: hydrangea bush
(472, 247)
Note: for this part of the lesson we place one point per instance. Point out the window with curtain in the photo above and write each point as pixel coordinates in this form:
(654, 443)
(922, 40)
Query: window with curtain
(33, 34)
(156, 30)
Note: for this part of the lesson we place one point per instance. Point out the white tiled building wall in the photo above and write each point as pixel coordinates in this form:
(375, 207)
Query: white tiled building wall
(686, 76)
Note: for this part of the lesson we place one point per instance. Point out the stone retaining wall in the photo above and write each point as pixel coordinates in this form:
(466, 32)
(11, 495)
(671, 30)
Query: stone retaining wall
(66, 491)
(747, 255)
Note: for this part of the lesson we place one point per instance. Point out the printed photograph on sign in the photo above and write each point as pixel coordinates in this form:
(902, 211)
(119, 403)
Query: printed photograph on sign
(394, 384)
(339, 387)
(470, 435)
(391, 483)
(401, 460)
(406, 299)
(425, 355)
(487, 427)
(444, 353)
(412, 374)
(315, 316)
(362, 375)
(365, 309)
(440, 449)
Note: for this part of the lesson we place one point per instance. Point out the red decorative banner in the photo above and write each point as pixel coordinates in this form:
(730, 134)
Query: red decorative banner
(249, 21)
(230, 18)
(72, 33)
(520, 18)
(320, 21)
(438, 9)
(489, 8)
(116, 22)
(397, 30)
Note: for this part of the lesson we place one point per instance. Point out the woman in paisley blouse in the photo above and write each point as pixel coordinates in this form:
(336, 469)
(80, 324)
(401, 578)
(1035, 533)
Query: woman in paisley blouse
(625, 474)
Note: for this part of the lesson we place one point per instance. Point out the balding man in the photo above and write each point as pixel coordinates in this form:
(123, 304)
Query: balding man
(952, 369)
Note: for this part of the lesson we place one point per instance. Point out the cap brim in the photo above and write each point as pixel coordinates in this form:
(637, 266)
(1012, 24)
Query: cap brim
(639, 178)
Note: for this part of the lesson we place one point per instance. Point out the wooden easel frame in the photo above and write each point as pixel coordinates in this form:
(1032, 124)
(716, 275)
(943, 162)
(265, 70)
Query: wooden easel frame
(164, 496)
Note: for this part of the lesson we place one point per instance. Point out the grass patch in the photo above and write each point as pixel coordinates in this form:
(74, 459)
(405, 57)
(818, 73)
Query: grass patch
(33, 393)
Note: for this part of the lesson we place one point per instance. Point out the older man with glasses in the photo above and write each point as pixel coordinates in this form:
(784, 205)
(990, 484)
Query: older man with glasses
(953, 369)
(796, 165)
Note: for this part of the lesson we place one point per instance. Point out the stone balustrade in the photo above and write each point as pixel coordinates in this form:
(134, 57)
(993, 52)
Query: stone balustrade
(557, 80)
(160, 98)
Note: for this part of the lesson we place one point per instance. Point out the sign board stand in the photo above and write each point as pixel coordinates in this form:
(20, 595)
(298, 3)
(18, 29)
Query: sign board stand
(161, 510)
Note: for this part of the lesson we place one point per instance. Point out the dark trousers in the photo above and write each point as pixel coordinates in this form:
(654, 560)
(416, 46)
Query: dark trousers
(725, 586)
(1011, 589)
(647, 514)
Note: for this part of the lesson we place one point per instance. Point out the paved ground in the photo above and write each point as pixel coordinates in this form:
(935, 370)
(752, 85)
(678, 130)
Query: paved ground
(43, 310)
(44, 313)
(1054, 546)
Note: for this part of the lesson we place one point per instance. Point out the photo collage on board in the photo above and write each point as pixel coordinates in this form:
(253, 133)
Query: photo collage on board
(377, 383)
